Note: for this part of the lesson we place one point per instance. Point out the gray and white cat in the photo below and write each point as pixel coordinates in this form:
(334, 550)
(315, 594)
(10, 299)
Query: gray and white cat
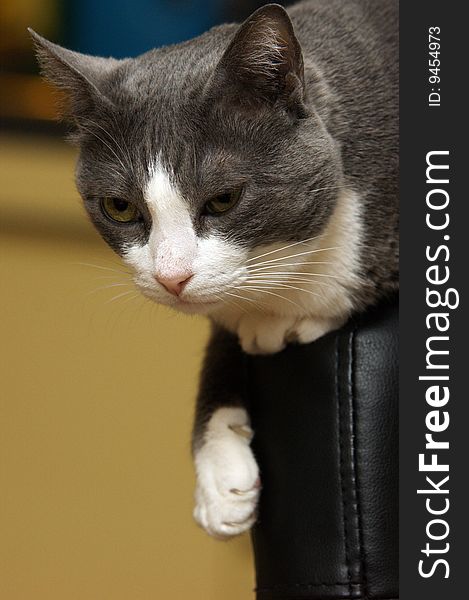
(249, 175)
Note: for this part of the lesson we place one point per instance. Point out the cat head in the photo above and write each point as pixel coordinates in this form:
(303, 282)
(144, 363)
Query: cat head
(196, 158)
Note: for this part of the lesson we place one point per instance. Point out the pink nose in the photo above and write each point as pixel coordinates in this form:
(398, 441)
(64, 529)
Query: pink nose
(174, 285)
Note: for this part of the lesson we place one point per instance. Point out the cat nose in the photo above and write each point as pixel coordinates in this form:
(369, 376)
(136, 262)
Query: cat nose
(174, 285)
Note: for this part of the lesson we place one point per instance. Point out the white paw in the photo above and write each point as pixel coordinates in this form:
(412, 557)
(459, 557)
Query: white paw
(263, 334)
(270, 334)
(306, 331)
(228, 486)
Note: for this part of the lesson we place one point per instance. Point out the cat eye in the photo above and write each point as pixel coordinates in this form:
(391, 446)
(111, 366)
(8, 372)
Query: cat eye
(223, 202)
(119, 210)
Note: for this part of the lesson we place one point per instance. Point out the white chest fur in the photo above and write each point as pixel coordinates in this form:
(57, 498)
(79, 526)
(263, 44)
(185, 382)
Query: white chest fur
(299, 291)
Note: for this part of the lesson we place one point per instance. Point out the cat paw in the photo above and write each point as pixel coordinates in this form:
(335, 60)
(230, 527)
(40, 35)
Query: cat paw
(264, 335)
(228, 485)
(305, 331)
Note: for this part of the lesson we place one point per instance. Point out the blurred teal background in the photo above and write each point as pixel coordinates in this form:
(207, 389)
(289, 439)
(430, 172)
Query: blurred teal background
(119, 28)
(126, 28)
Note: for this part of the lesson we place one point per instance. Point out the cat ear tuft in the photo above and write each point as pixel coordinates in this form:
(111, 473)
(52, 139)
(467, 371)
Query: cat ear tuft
(264, 61)
(80, 76)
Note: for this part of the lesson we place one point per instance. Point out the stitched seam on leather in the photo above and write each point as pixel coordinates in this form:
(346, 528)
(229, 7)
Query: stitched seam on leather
(287, 588)
(282, 586)
(341, 464)
(363, 558)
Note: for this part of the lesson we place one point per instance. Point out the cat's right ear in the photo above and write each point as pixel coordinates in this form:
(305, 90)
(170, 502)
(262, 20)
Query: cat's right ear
(82, 78)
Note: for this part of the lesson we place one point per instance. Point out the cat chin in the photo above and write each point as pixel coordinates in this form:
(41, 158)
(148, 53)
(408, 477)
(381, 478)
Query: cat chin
(189, 307)
(196, 308)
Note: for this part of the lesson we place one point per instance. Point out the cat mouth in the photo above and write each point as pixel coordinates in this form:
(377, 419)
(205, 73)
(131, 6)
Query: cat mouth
(191, 304)
(177, 301)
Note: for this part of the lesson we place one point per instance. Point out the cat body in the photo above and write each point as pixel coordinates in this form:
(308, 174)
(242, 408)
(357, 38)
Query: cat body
(249, 175)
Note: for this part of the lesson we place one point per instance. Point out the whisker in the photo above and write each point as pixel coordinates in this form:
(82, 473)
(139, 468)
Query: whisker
(120, 271)
(240, 297)
(287, 274)
(293, 256)
(135, 305)
(124, 307)
(279, 286)
(270, 293)
(258, 303)
(285, 281)
(107, 287)
(295, 264)
(110, 136)
(112, 261)
(106, 144)
(136, 295)
(121, 296)
(102, 277)
(129, 154)
(231, 302)
(284, 248)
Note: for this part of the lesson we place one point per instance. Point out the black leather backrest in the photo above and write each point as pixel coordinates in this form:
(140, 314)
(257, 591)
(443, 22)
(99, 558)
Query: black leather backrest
(326, 438)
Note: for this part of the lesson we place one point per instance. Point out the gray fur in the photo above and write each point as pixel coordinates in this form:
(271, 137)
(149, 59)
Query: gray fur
(213, 120)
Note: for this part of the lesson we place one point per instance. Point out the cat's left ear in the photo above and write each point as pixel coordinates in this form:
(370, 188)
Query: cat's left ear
(264, 62)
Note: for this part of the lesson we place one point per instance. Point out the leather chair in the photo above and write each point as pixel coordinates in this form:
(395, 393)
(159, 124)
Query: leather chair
(325, 418)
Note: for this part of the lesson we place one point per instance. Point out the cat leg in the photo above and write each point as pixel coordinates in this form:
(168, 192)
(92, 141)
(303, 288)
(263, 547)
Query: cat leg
(227, 475)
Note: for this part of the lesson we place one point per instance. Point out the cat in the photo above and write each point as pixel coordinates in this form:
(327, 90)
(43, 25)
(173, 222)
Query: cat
(249, 175)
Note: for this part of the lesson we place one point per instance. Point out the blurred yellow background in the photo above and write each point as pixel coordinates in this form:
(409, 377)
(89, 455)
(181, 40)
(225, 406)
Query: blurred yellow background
(97, 395)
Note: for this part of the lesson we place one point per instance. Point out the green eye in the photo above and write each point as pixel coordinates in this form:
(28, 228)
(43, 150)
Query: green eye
(223, 202)
(119, 210)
